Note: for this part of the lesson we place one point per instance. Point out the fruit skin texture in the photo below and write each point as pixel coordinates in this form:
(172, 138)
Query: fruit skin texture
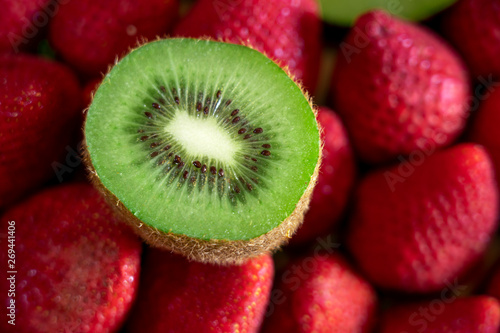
(181, 296)
(77, 264)
(479, 314)
(89, 34)
(39, 106)
(430, 227)
(287, 31)
(484, 129)
(325, 297)
(473, 26)
(398, 87)
(335, 181)
(16, 17)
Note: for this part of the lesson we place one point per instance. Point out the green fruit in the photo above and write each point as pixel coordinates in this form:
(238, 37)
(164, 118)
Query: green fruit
(344, 13)
(209, 149)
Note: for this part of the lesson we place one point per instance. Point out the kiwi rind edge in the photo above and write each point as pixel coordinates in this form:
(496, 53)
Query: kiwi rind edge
(214, 251)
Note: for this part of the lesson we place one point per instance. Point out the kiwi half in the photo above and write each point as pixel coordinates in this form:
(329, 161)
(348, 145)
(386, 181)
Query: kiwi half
(344, 13)
(208, 149)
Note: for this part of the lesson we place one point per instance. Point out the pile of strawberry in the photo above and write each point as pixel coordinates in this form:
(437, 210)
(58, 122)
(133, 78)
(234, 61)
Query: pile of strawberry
(401, 233)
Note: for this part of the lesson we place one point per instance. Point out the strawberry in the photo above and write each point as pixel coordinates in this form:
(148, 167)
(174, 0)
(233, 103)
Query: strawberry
(178, 296)
(22, 20)
(321, 294)
(89, 34)
(335, 181)
(288, 31)
(484, 129)
(77, 264)
(398, 87)
(479, 314)
(416, 227)
(473, 26)
(39, 105)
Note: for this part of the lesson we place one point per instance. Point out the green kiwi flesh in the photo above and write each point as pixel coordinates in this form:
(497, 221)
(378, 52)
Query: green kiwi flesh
(344, 13)
(207, 148)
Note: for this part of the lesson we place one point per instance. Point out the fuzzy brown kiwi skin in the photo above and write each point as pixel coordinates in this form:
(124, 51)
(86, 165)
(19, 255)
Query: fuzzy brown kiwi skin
(214, 251)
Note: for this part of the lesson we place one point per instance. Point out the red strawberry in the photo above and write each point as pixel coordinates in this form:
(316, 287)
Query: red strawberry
(321, 294)
(473, 26)
(91, 34)
(77, 264)
(39, 105)
(398, 87)
(478, 314)
(336, 178)
(21, 22)
(485, 128)
(288, 31)
(416, 227)
(178, 296)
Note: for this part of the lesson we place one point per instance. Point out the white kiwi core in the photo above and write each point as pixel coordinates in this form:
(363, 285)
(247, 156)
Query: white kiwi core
(203, 137)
